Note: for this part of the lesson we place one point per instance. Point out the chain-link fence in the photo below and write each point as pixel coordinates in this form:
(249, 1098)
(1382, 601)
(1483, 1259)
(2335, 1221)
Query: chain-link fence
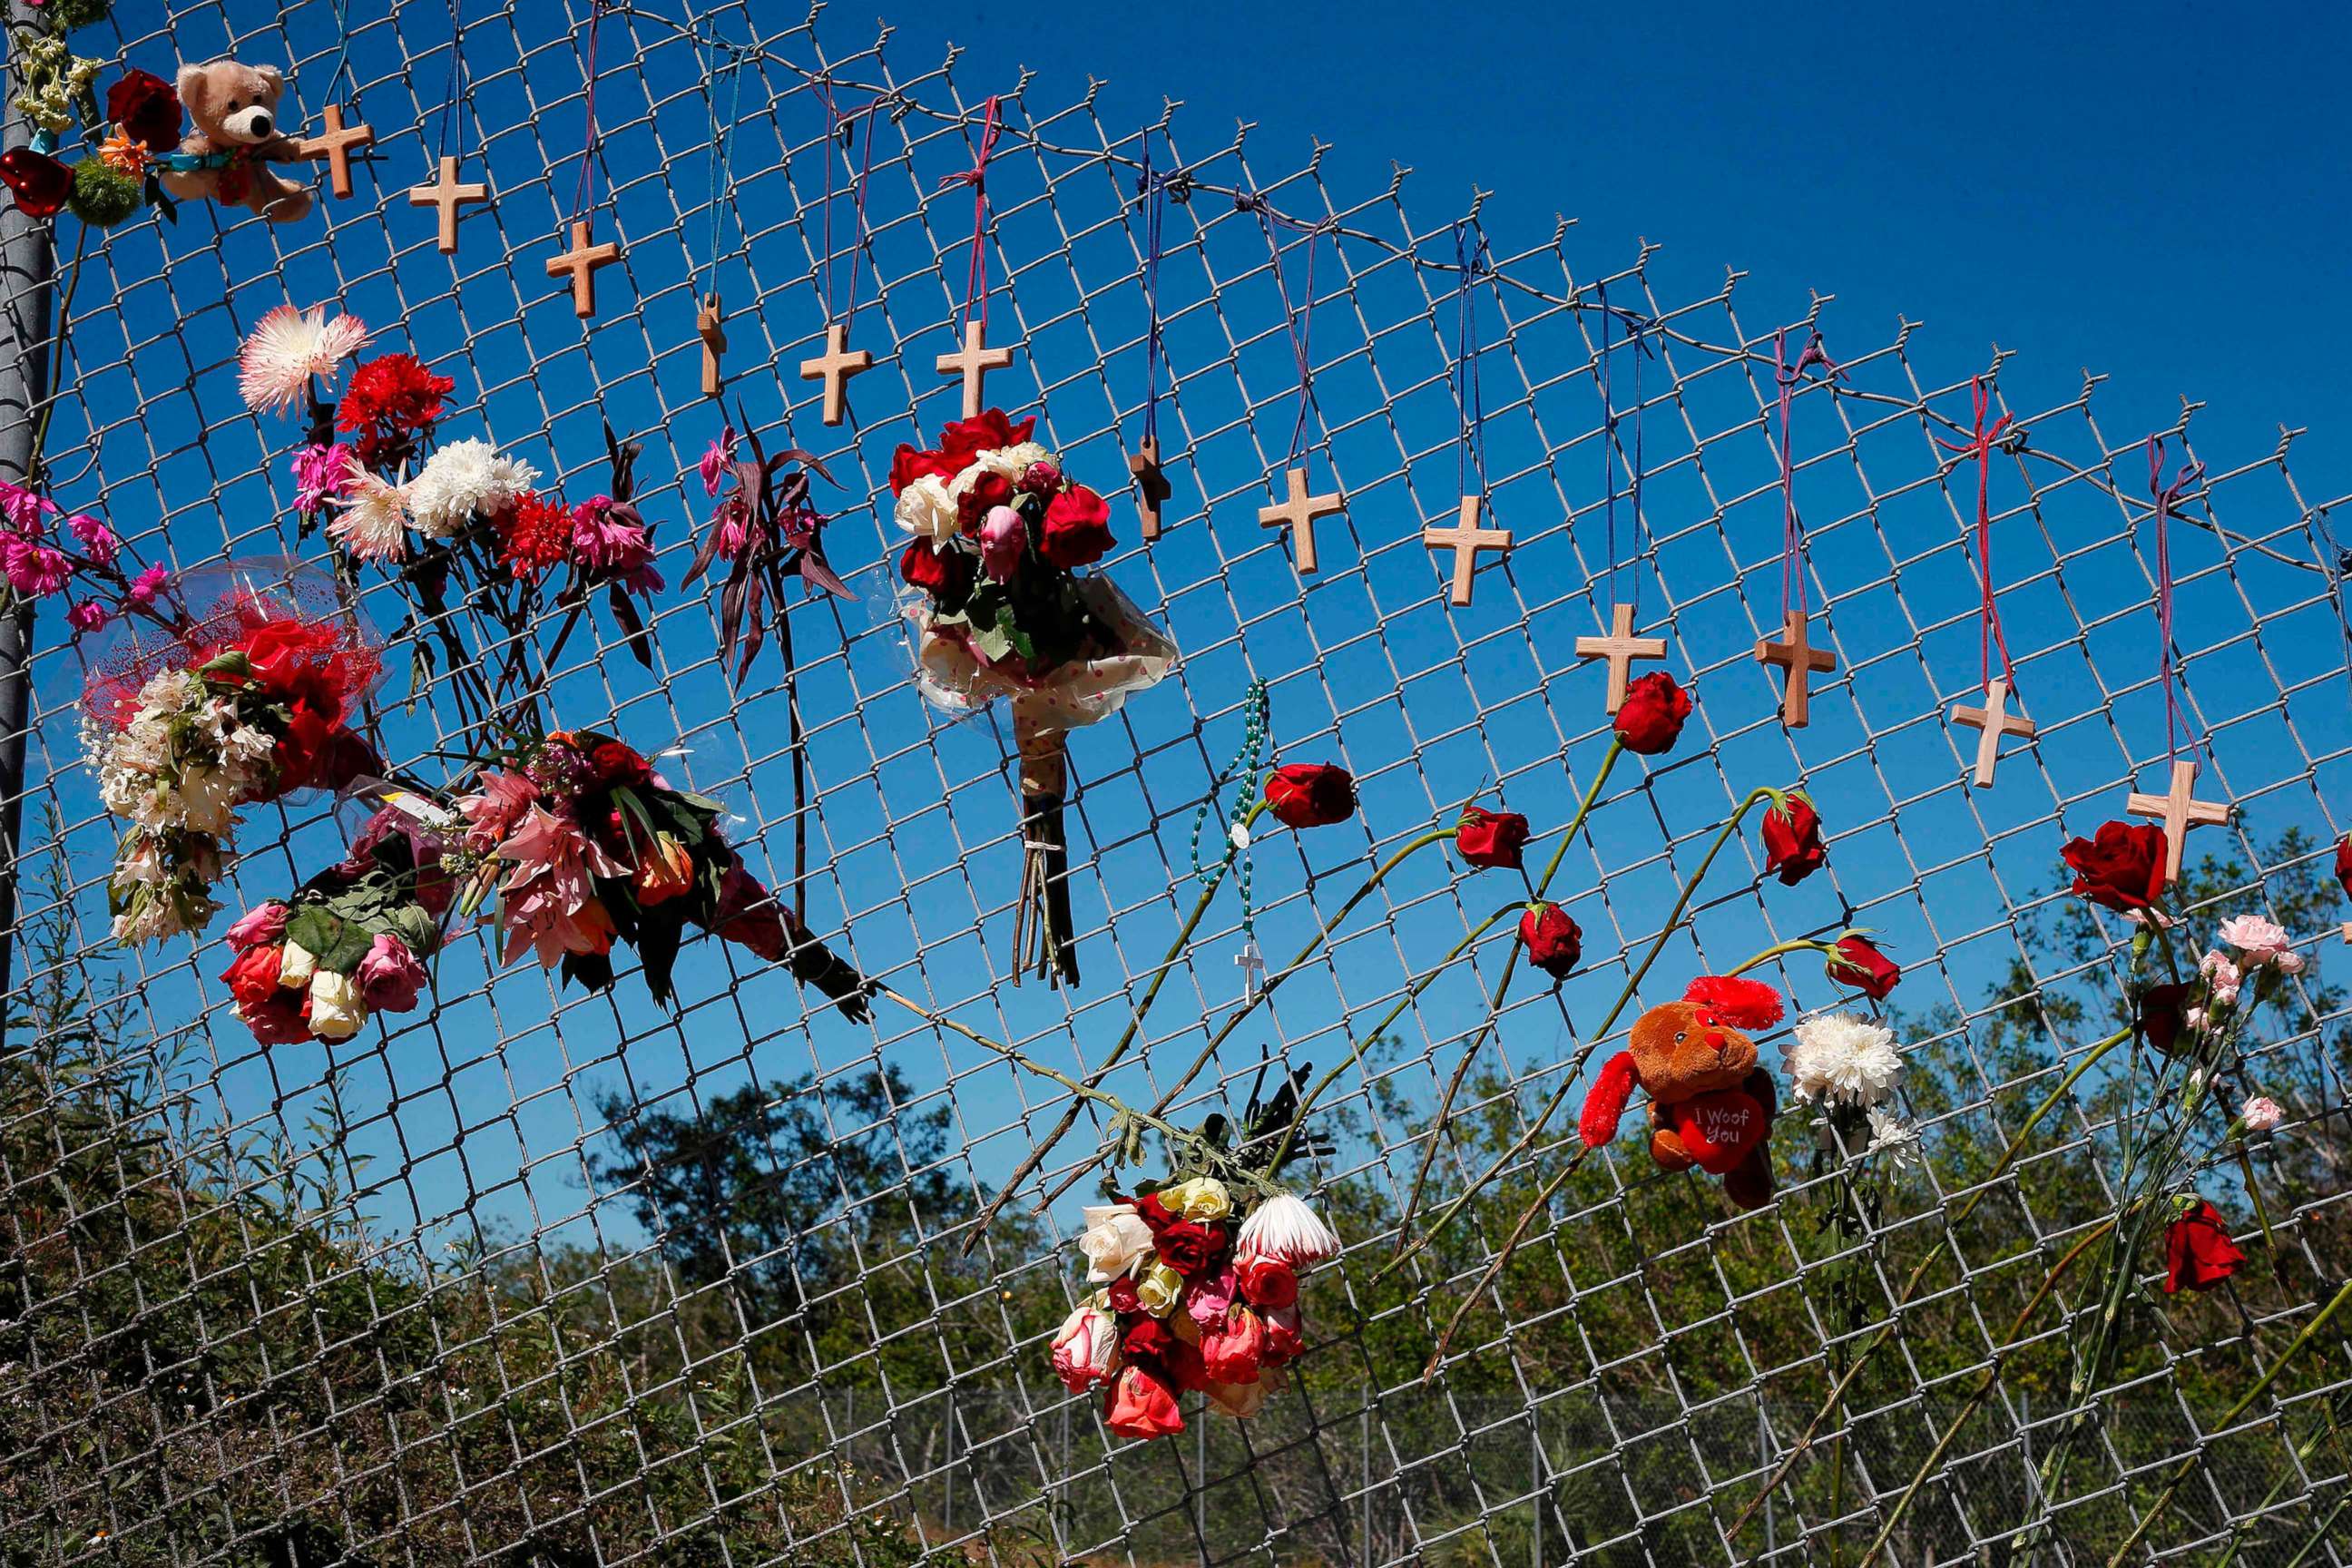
(537, 1275)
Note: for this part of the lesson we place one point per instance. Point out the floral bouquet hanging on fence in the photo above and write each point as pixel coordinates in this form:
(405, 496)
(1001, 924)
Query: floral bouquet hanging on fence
(999, 609)
(240, 690)
(586, 845)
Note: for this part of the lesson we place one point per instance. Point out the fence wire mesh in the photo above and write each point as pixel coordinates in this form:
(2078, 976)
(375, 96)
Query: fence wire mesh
(541, 1276)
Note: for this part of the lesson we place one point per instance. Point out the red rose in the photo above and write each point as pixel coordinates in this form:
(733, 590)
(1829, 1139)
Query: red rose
(1140, 1405)
(2344, 864)
(986, 431)
(1650, 720)
(616, 763)
(909, 463)
(2161, 1017)
(1078, 528)
(288, 659)
(1858, 963)
(1146, 1336)
(282, 1018)
(40, 182)
(938, 570)
(1184, 1366)
(1311, 794)
(1188, 1247)
(985, 493)
(2121, 867)
(1267, 1282)
(1554, 943)
(1235, 1352)
(253, 977)
(1153, 1213)
(1490, 839)
(1122, 1296)
(1792, 839)
(147, 109)
(2197, 1251)
(1286, 1334)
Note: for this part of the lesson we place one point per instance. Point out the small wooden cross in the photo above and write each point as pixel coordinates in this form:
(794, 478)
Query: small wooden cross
(2178, 809)
(709, 327)
(1151, 485)
(1466, 539)
(834, 367)
(1621, 648)
(582, 262)
(1298, 514)
(1991, 721)
(1798, 659)
(335, 146)
(447, 195)
(974, 363)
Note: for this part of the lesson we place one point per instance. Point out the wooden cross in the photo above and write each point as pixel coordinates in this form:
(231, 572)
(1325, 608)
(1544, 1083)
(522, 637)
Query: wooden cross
(1466, 539)
(1151, 485)
(974, 363)
(335, 146)
(1798, 659)
(707, 326)
(1621, 648)
(1992, 721)
(834, 367)
(1298, 514)
(449, 196)
(582, 262)
(2178, 809)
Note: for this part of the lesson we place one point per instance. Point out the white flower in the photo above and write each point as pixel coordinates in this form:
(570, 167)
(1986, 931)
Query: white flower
(927, 510)
(374, 523)
(2259, 940)
(1891, 1136)
(1284, 1228)
(2262, 1113)
(1201, 1198)
(296, 966)
(1084, 1348)
(288, 347)
(336, 1010)
(1009, 461)
(1116, 1240)
(462, 478)
(1159, 1288)
(1842, 1061)
(207, 801)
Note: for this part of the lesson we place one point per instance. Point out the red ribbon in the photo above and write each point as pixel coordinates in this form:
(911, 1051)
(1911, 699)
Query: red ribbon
(975, 288)
(1792, 531)
(1989, 633)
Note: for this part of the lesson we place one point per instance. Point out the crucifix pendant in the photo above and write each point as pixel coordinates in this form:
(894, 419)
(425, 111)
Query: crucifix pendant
(1252, 963)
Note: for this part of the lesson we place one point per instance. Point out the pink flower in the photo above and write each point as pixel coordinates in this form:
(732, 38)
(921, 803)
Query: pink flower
(2221, 975)
(87, 616)
(24, 510)
(715, 461)
(1003, 536)
(262, 926)
(1212, 1297)
(2258, 941)
(2262, 1113)
(322, 474)
(1082, 1349)
(612, 545)
(35, 571)
(492, 812)
(97, 540)
(146, 585)
(389, 976)
(547, 900)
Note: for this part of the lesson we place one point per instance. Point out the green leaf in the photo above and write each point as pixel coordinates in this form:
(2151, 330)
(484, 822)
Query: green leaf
(413, 926)
(337, 943)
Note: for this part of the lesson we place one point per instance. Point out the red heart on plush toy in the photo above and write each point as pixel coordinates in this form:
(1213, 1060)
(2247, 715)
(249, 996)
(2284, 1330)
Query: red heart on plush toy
(1718, 1129)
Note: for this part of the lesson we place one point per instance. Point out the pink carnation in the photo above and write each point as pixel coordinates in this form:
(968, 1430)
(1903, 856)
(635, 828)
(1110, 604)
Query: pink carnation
(322, 474)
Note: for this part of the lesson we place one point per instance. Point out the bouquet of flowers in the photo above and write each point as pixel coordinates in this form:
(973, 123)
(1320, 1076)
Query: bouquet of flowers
(1194, 1296)
(243, 701)
(352, 941)
(586, 845)
(999, 608)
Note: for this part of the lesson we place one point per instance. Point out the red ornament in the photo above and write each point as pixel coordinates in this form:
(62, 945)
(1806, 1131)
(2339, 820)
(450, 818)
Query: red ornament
(40, 182)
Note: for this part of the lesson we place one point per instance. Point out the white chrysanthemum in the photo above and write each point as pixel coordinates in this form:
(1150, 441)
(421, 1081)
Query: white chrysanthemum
(1897, 1139)
(1283, 1227)
(926, 510)
(1841, 1059)
(462, 478)
(374, 523)
(288, 347)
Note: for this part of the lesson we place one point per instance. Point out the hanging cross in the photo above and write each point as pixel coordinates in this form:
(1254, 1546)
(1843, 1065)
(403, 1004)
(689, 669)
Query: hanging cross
(582, 262)
(1252, 963)
(335, 146)
(974, 363)
(1992, 721)
(1151, 485)
(1621, 648)
(1298, 514)
(834, 367)
(2178, 809)
(707, 325)
(447, 195)
(1466, 539)
(1798, 659)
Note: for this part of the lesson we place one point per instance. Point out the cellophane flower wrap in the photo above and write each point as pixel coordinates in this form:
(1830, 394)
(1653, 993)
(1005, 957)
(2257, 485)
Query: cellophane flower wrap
(240, 687)
(1193, 1295)
(587, 844)
(999, 608)
(355, 940)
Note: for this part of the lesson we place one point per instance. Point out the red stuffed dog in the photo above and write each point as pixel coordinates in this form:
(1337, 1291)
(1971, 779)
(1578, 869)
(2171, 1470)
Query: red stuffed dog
(1710, 1104)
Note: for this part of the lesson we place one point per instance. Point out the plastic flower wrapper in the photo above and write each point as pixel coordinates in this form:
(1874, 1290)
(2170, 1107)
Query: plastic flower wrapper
(998, 610)
(356, 938)
(240, 689)
(587, 844)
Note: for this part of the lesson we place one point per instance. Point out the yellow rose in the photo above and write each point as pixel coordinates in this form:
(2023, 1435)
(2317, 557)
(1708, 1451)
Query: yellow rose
(1160, 1287)
(1203, 1198)
(336, 1010)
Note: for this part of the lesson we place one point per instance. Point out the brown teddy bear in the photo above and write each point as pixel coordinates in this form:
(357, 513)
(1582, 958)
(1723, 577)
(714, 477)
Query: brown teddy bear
(236, 140)
(1710, 1105)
